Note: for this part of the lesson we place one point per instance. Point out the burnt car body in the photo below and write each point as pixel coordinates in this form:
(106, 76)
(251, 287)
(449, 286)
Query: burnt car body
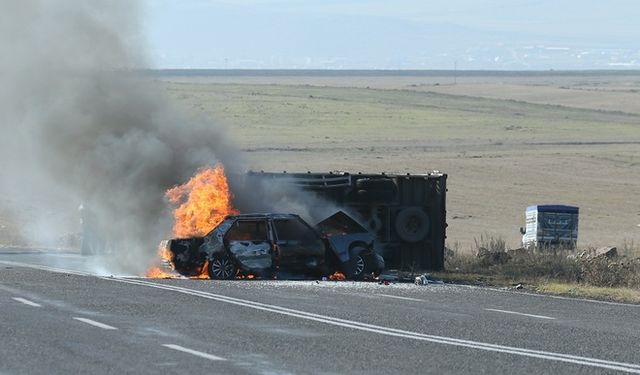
(268, 245)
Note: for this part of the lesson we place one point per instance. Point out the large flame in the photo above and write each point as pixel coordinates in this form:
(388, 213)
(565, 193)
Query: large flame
(201, 203)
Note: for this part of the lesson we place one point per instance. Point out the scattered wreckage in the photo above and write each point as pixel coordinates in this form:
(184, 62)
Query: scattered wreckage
(268, 245)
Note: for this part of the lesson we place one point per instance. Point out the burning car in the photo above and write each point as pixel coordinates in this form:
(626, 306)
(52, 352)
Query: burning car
(267, 245)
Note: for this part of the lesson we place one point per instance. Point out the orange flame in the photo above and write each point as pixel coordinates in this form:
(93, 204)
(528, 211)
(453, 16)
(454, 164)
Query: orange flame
(156, 271)
(201, 203)
(204, 271)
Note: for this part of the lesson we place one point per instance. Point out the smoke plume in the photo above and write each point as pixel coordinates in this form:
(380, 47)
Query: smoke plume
(81, 125)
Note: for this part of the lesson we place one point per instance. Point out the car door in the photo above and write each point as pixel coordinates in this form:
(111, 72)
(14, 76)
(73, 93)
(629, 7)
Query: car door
(300, 248)
(251, 245)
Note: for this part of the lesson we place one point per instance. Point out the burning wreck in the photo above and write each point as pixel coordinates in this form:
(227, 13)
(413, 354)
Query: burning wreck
(213, 240)
(404, 215)
(268, 245)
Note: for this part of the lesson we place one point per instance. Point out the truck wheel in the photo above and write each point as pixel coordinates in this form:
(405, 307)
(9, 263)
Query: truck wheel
(222, 268)
(412, 224)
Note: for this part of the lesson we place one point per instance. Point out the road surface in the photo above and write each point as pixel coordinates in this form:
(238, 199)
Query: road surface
(57, 318)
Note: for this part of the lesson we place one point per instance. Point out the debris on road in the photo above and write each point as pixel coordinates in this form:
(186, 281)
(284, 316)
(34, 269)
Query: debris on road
(421, 280)
(425, 279)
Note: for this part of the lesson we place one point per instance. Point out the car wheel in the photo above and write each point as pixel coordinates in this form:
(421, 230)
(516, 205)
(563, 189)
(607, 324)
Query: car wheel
(222, 268)
(360, 264)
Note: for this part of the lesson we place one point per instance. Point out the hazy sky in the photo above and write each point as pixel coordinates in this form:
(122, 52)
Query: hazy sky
(400, 34)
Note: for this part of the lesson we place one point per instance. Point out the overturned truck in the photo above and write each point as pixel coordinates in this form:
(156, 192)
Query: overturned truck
(407, 213)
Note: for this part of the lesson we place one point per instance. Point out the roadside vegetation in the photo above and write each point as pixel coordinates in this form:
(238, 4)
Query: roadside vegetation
(604, 273)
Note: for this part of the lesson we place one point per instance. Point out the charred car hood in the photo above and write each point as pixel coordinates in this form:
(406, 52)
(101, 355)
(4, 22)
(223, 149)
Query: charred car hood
(342, 232)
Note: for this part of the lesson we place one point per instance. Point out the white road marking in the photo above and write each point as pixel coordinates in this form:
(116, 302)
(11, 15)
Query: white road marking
(208, 356)
(26, 301)
(94, 323)
(400, 297)
(552, 356)
(560, 357)
(523, 314)
(539, 295)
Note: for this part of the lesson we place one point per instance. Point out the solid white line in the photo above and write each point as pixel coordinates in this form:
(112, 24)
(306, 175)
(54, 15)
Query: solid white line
(399, 297)
(574, 299)
(560, 357)
(94, 323)
(208, 356)
(567, 358)
(523, 314)
(26, 302)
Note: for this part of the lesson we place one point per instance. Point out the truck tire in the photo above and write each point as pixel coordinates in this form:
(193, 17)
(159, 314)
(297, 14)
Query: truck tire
(412, 224)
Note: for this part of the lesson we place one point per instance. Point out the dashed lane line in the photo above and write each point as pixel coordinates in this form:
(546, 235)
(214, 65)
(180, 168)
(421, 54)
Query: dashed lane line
(400, 297)
(541, 354)
(26, 301)
(94, 323)
(208, 356)
(522, 314)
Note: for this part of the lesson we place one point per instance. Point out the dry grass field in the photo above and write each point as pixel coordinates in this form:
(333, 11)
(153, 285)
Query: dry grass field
(505, 140)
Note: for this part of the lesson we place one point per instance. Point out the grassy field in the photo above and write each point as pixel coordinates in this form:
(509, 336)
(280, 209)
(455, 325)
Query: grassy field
(503, 149)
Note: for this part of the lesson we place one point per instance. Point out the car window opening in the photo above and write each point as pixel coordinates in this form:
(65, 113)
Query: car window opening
(294, 230)
(248, 231)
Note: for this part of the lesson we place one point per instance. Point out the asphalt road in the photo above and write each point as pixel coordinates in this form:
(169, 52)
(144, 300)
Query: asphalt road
(58, 319)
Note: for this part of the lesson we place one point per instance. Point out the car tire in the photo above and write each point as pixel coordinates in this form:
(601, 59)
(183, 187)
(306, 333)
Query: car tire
(359, 264)
(221, 267)
(412, 224)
